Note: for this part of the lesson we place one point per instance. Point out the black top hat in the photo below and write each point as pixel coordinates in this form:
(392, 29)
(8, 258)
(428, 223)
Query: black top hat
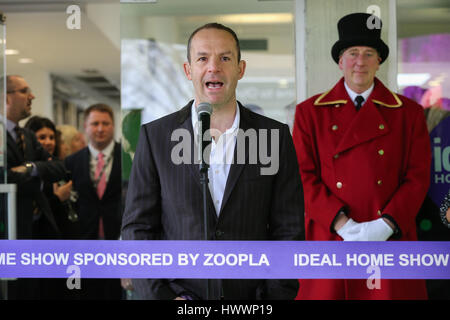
(360, 29)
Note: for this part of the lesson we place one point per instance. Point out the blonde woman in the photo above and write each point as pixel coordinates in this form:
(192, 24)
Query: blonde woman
(72, 140)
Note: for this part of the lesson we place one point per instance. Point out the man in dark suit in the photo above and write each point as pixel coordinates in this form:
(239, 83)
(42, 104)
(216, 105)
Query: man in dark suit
(28, 165)
(246, 201)
(27, 161)
(96, 176)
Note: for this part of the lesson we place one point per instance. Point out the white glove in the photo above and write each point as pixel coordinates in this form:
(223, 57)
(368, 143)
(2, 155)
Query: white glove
(375, 230)
(378, 230)
(350, 230)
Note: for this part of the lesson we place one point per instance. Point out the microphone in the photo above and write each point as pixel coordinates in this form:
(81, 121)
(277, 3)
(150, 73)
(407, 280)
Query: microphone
(204, 111)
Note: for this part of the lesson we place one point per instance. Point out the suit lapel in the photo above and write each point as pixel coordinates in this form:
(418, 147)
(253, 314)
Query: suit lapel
(86, 170)
(28, 145)
(28, 151)
(236, 168)
(12, 148)
(112, 179)
(185, 122)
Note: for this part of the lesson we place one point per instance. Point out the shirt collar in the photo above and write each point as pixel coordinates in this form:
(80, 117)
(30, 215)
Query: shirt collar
(353, 94)
(10, 125)
(106, 152)
(234, 126)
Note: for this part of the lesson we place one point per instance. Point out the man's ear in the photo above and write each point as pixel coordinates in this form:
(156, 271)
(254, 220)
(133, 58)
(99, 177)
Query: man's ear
(187, 70)
(340, 63)
(8, 105)
(242, 66)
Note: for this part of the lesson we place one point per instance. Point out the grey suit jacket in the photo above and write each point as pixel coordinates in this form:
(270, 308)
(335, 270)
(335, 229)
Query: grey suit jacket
(164, 202)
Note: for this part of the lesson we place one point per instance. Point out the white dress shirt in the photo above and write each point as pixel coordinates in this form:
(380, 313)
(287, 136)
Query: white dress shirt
(353, 94)
(221, 157)
(108, 158)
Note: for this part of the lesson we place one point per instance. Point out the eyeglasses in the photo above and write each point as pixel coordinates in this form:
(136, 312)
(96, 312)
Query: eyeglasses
(25, 90)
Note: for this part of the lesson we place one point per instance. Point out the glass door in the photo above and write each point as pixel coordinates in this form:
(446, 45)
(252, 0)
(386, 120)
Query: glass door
(3, 186)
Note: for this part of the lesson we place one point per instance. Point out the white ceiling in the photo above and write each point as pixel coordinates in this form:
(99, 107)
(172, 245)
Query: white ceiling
(44, 37)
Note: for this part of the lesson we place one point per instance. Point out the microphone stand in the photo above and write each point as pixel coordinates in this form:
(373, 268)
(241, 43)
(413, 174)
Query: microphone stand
(204, 112)
(204, 182)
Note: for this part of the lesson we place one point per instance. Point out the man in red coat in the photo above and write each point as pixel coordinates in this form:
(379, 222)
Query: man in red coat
(364, 156)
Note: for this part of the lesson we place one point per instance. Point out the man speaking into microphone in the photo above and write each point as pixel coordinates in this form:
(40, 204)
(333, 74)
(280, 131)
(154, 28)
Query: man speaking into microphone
(165, 200)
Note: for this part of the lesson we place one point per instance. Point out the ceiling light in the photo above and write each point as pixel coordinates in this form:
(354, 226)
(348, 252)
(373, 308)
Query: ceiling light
(258, 18)
(10, 52)
(26, 60)
(253, 18)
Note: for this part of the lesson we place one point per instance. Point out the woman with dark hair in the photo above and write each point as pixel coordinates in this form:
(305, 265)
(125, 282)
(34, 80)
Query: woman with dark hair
(58, 194)
(45, 132)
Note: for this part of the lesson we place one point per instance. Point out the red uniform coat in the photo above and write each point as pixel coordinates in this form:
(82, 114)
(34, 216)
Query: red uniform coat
(374, 162)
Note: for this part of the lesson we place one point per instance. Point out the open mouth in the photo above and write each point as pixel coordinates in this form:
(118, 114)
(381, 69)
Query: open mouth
(214, 84)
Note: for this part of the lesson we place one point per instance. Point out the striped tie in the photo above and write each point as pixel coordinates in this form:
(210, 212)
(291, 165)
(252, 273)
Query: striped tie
(20, 141)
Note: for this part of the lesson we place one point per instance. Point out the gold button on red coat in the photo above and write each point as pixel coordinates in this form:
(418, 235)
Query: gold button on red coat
(339, 185)
(334, 127)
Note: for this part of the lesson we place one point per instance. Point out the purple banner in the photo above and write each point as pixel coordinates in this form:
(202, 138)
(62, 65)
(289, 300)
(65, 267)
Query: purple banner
(224, 259)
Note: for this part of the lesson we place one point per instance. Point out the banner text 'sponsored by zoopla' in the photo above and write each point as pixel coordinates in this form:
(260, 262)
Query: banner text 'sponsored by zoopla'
(224, 259)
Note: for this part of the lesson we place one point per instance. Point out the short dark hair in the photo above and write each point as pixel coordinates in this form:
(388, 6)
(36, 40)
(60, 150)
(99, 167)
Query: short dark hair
(218, 26)
(36, 123)
(100, 107)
